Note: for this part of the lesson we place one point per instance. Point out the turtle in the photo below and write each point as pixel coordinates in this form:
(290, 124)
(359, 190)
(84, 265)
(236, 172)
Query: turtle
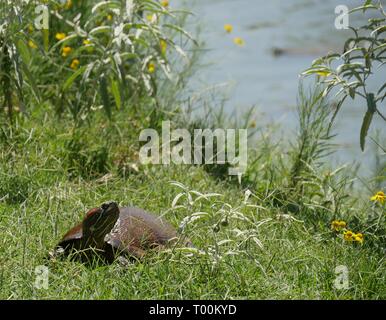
(110, 231)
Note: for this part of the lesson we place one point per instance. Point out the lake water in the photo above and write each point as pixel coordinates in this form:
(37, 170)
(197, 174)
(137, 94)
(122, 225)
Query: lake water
(252, 76)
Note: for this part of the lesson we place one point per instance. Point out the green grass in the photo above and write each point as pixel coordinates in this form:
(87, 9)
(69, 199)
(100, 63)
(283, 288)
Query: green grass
(49, 179)
(268, 237)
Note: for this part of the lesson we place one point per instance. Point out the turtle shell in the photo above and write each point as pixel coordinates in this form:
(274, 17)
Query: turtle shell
(74, 235)
(137, 231)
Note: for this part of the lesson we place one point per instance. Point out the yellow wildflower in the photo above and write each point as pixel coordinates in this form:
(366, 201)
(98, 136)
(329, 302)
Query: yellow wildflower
(164, 45)
(74, 64)
(151, 67)
(358, 238)
(110, 17)
(348, 235)
(228, 28)
(60, 36)
(151, 18)
(89, 44)
(66, 51)
(338, 225)
(240, 42)
(32, 44)
(68, 4)
(379, 197)
(165, 3)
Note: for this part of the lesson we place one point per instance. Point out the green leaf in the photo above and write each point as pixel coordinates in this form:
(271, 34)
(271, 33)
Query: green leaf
(64, 41)
(364, 8)
(368, 2)
(371, 108)
(180, 30)
(351, 92)
(371, 104)
(382, 88)
(365, 128)
(24, 51)
(46, 39)
(105, 96)
(101, 29)
(108, 4)
(31, 82)
(70, 80)
(116, 93)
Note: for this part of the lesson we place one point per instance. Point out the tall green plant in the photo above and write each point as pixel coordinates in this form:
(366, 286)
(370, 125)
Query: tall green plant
(100, 54)
(313, 141)
(15, 76)
(363, 55)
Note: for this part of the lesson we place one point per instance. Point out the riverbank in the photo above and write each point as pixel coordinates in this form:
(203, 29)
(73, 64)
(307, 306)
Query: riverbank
(272, 247)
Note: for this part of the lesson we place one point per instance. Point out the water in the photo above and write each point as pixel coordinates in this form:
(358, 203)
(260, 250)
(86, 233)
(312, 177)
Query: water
(255, 77)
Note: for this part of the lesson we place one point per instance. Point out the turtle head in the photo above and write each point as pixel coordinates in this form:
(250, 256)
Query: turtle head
(99, 222)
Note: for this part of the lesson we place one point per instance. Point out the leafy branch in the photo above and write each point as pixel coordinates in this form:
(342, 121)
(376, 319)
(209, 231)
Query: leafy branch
(363, 55)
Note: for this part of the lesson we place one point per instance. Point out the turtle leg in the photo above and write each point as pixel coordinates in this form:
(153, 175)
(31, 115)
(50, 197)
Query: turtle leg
(115, 248)
(128, 254)
(134, 251)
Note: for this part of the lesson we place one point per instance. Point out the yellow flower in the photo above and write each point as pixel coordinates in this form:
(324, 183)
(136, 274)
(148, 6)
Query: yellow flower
(379, 197)
(240, 42)
(89, 44)
(358, 238)
(68, 4)
(66, 51)
(74, 64)
(151, 18)
(32, 44)
(348, 235)
(164, 45)
(60, 36)
(151, 67)
(110, 17)
(228, 28)
(165, 3)
(335, 225)
(338, 225)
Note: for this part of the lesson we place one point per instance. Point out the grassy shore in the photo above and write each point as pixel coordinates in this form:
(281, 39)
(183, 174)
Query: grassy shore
(52, 174)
